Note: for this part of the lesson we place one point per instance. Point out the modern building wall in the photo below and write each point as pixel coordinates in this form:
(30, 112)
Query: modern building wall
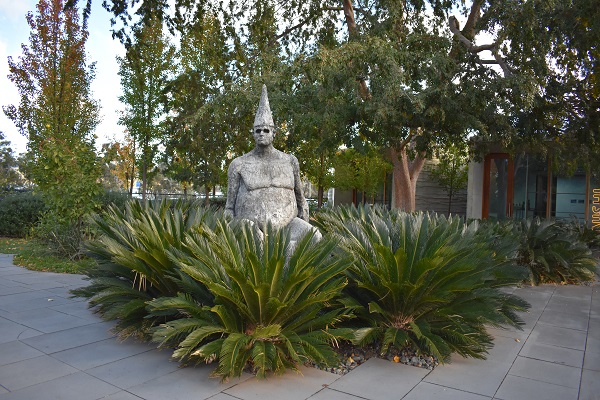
(527, 188)
(432, 197)
(475, 190)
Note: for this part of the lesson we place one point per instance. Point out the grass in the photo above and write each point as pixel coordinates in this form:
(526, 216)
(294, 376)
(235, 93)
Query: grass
(37, 256)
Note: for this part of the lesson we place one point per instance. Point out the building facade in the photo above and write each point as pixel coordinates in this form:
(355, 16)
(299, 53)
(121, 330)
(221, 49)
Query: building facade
(525, 186)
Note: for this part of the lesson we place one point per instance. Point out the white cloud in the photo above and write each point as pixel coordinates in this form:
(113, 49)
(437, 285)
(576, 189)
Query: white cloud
(9, 95)
(101, 48)
(16, 8)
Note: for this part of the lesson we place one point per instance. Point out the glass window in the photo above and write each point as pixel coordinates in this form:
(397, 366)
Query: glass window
(568, 196)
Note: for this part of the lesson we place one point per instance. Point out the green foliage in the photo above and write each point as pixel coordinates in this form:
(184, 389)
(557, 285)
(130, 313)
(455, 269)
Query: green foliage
(67, 176)
(58, 115)
(451, 172)
(428, 281)
(273, 301)
(365, 172)
(112, 198)
(10, 178)
(584, 233)
(65, 238)
(552, 253)
(195, 148)
(39, 256)
(19, 212)
(144, 71)
(133, 264)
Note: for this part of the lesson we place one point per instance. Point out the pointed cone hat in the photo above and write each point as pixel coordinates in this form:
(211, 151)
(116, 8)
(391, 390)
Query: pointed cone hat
(263, 114)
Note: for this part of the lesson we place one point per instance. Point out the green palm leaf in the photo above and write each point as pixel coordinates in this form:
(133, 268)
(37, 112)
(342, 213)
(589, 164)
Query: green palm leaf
(424, 279)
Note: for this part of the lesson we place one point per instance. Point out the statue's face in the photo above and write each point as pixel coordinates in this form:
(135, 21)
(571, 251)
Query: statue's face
(263, 135)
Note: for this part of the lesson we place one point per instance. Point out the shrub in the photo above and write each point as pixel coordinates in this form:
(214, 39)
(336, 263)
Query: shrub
(19, 212)
(274, 303)
(425, 281)
(117, 199)
(65, 238)
(133, 265)
(552, 253)
(584, 233)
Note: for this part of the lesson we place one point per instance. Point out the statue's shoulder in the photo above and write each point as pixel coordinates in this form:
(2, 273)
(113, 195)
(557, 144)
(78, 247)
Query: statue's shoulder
(285, 156)
(236, 163)
(293, 159)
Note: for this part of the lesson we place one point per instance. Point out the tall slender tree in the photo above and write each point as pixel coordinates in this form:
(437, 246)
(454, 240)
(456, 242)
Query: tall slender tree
(144, 71)
(195, 146)
(56, 112)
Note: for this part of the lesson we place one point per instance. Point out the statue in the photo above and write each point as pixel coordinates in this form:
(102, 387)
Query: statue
(264, 184)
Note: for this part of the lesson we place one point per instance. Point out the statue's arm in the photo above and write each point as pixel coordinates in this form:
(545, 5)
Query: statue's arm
(233, 184)
(300, 200)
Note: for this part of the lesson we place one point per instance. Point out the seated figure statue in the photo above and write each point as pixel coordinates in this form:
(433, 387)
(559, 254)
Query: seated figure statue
(264, 184)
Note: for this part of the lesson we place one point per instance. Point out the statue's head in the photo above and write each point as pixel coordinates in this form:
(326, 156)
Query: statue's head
(264, 127)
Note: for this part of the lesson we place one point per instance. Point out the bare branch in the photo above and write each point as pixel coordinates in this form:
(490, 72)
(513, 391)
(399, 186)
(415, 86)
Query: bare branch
(349, 14)
(505, 68)
(492, 47)
(469, 29)
(293, 28)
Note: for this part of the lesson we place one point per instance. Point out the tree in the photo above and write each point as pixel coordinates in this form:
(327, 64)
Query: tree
(513, 72)
(119, 163)
(57, 114)
(365, 172)
(144, 71)
(195, 147)
(318, 116)
(9, 174)
(451, 171)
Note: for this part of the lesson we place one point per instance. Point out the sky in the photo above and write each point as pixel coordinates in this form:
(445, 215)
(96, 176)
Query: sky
(101, 49)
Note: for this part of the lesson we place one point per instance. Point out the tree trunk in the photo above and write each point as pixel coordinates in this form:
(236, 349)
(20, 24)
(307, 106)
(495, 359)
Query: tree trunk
(451, 191)
(144, 168)
(132, 179)
(320, 196)
(320, 187)
(405, 177)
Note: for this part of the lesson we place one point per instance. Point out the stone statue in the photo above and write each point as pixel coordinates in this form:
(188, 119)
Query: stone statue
(264, 184)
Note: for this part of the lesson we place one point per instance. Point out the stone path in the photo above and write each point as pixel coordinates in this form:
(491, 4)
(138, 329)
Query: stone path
(53, 347)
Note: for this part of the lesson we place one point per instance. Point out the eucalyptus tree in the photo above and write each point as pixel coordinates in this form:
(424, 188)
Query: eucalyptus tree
(427, 72)
(144, 70)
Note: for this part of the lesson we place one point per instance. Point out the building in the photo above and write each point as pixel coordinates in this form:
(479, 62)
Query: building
(525, 186)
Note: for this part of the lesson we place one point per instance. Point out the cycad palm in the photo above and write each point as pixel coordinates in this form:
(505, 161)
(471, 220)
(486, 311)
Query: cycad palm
(424, 280)
(133, 266)
(553, 254)
(271, 303)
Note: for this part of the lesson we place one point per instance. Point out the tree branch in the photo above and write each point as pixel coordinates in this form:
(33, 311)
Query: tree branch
(293, 28)
(492, 47)
(469, 30)
(350, 20)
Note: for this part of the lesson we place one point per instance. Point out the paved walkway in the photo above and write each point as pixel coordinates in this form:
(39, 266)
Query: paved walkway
(53, 347)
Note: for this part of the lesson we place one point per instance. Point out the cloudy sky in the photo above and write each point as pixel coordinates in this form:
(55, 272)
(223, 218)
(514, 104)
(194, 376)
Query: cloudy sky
(101, 48)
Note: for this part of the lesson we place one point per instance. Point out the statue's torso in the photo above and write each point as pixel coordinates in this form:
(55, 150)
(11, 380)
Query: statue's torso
(266, 191)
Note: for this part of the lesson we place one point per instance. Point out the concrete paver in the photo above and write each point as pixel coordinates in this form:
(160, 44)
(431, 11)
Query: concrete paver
(517, 388)
(555, 354)
(379, 379)
(53, 347)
